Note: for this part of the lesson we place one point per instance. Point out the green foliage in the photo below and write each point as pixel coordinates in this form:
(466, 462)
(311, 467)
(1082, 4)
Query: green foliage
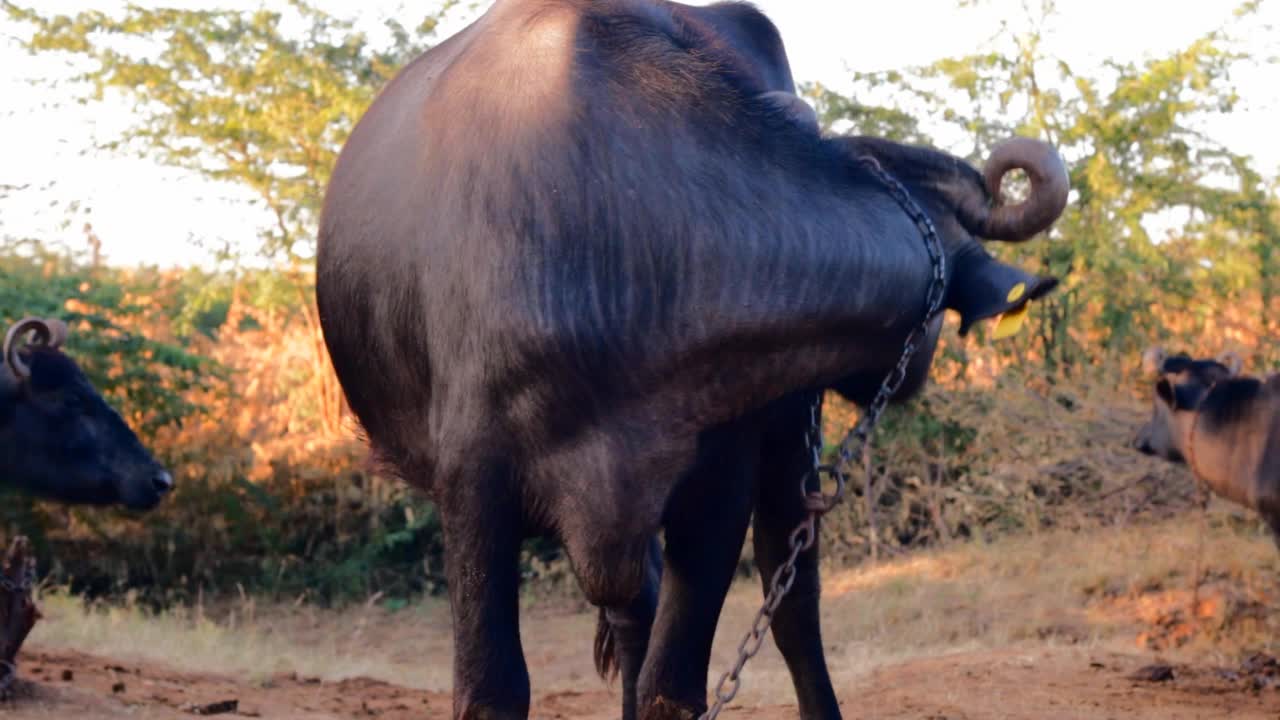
(149, 381)
(264, 99)
(318, 527)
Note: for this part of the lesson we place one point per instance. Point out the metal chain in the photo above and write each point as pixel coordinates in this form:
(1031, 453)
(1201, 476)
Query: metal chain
(854, 445)
(18, 587)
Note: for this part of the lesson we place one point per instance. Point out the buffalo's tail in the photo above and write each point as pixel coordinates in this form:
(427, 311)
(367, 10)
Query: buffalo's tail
(606, 648)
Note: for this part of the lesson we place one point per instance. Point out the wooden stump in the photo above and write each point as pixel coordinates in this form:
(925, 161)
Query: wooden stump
(18, 613)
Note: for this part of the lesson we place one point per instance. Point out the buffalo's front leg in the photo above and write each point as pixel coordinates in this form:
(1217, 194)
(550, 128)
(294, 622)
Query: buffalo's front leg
(706, 522)
(482, 534)
(780, 508)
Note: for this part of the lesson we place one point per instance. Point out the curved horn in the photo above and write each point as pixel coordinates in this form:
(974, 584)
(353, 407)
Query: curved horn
(44, 334)
(58, 332)
(1153, 360)
(1049, 186)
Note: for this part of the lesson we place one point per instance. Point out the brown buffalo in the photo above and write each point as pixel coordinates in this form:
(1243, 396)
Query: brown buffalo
(1223, 425)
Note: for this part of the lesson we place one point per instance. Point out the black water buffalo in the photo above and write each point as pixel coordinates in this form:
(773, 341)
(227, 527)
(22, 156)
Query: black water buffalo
(1223, 425)
(58, 438)
(583, 268)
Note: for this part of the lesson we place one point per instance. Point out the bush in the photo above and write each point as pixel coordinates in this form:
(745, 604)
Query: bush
(227, 380)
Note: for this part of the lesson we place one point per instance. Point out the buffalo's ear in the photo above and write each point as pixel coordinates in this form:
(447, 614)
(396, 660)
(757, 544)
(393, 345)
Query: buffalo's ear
(1153, 360)
(1232, 362)
(982, 287)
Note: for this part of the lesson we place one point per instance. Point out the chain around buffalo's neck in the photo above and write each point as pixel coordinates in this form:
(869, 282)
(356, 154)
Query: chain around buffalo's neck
(853, 446)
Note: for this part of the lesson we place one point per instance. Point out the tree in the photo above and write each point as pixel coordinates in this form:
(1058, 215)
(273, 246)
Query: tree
(1139, 166)
(236, 97)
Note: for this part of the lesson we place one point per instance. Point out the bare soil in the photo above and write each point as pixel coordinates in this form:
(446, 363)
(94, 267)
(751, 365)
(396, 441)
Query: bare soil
(1041, 683)
(1007, 630)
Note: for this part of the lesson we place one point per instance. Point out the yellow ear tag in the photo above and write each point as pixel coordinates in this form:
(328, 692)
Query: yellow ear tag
(1011, 322)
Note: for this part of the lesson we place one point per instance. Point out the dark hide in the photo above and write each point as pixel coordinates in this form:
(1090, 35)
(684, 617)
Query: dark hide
(581, 273)
(59, 439)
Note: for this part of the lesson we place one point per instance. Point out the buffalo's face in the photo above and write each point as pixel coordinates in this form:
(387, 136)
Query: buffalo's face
(1180, 384)
(62, 440)
(1161, 434)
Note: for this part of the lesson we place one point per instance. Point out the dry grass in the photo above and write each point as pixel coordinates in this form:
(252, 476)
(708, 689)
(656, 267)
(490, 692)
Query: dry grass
(1125, 588)
(1122, 588)
(1029, 454)
(410, 647)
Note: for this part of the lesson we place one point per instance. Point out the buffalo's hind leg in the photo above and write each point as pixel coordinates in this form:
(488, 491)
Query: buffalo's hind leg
(705, 523)
(786, 461)
(483, 529)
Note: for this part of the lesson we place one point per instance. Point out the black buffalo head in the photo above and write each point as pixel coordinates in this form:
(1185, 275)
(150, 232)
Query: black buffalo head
(58, 437)
(966, 205)
(1181, 383)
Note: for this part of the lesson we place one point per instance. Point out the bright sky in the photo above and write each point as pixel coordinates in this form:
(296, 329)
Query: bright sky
(145, 213)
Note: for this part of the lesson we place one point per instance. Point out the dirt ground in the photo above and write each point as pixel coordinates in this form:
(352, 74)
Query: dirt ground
(1005, 630)
(1040, 683)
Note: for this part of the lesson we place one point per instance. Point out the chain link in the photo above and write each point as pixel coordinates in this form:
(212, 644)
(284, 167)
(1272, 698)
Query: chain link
(853, 446)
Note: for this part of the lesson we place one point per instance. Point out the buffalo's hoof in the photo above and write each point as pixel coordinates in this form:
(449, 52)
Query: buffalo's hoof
(664, 709)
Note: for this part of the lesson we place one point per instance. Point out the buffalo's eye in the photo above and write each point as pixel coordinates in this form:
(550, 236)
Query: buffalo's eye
(78, 439)
(76, 405)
